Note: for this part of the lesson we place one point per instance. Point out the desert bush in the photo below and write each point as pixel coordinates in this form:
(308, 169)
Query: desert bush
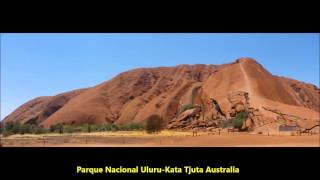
(71, 129)
(186, 107)
(7, 133)
(95, 128)
(237, 121)
(85, 128)
(12, 127)
(57, 128)
(6, 129)
(108, 127)
(240, 118)
(132, 126)
(89, 128)
(40, 130)
(82, 128)
(26, 129)
(228, 123)
(154, 123)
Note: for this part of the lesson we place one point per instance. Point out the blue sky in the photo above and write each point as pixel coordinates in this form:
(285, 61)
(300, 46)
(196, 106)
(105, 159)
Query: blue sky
(35, 65)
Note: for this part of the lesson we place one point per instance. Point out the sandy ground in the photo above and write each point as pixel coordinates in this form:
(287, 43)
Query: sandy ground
(163, 139)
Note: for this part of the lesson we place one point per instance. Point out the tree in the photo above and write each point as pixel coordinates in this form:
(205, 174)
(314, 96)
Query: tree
(154, 123)
(39, 130)
(26, 129)
(108, 127)
(57, 128)
(239, 119)
(186, 107)
(12, 127)
(89, 128)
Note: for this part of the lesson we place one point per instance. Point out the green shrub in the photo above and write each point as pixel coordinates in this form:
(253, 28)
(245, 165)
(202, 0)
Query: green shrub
(26, 129)
(86, 128)
(16, 127)
(95, 128)
(13, 127)
(53, 128)
(69, 129)
(186, 107)
(40, 130)
(240, 118)
(7, 133)
(57, 128)
(154, 123)
(131, 126)
(82, 128)
(108, 127)
(79, 128)
(228, 123)
(89, 128)
(237, 121)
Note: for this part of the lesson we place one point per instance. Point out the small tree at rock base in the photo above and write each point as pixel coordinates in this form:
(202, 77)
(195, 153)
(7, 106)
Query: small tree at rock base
(89, 128)
(57, 128)
(154, 124)
(61, 128)
(26, 129)
(240, 119)
(186, 107)
(12, 127)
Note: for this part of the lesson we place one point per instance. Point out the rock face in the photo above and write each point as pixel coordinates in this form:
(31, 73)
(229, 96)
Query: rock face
(218, 92)
(239, 102)
(39, 109)
(306, 95)
(186, 118)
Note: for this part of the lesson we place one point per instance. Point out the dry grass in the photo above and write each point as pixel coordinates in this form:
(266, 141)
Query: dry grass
(165, 138)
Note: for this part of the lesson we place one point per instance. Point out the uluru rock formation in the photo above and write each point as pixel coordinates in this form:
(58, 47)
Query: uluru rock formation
(217, 92)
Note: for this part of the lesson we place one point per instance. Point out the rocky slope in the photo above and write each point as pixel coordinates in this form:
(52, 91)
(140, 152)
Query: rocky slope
(218, 92)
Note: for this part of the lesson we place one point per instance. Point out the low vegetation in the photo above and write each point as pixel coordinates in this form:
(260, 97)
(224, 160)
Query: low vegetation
(131, 126)
(106, 127)
(18, 128)
(240, 119)
(186, 107)
(154, 124)
(237, 122)
(11, 128)
(57, 128)
(227, 123)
